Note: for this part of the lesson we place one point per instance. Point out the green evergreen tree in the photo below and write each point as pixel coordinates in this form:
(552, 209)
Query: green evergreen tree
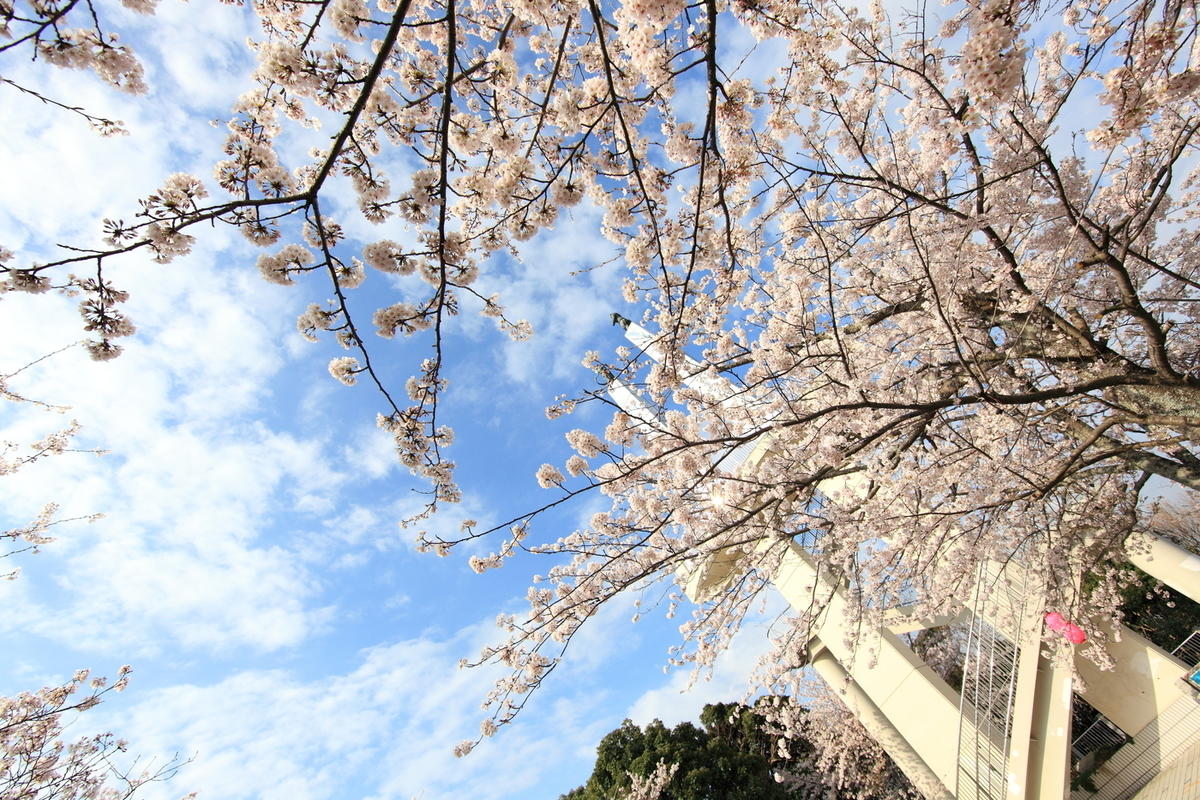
(1158, 612)
(712, 765)
(734, 756)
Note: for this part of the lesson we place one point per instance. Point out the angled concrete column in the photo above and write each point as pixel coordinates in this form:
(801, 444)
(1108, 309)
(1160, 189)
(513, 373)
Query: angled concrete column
(877, 724)
(920, 705)
(1171, 564)
(1049, 768)
(902, 619)
(1147, 683)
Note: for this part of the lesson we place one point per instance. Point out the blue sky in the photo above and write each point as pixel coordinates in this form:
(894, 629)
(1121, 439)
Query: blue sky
(281, 626)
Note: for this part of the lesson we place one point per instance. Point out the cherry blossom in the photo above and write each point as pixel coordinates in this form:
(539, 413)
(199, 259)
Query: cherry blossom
(919, 295)
(36, 763)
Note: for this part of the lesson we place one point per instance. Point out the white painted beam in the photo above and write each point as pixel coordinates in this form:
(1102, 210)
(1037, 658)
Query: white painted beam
(877, 724)
(1175, 566)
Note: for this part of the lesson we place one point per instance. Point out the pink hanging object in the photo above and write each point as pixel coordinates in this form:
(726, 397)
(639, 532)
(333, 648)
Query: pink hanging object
(1070, 631)
(1074, 633)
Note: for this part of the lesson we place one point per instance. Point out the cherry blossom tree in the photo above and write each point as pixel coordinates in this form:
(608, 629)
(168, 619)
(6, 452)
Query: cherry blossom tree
(14, 456)
(35, 762)
(840, 752)
(908, 272)
(948, 259)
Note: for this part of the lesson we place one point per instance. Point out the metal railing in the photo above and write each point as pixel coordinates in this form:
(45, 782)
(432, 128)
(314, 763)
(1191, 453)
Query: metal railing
(988, 688)
(1188, 650)
(1100, 735)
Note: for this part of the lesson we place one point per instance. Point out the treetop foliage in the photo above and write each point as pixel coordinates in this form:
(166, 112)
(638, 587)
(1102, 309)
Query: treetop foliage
(736, 753)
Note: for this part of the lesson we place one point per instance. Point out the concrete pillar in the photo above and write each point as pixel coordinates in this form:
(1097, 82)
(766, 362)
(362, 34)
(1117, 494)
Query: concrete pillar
(1024, 728)
(921, 706)
(877, 724)
(1148, 681)
(1173, 565)
(1050, 743)
(1038, 762)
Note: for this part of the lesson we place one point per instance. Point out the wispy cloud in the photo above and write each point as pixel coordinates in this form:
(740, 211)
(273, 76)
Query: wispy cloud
(379, 730)
(682, 696)
(179, 560)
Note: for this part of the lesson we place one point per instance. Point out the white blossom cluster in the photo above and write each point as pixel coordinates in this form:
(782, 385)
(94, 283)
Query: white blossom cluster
(280, 267)
(36, 763)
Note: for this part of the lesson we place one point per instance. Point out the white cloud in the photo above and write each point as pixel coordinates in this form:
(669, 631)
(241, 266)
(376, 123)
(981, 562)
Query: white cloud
(44, 164)
(383, 729)
(567, 310)
(201, 51)
(179, 558)
(196, 481)
(684, 694)
(447, 523)
(372, 450)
